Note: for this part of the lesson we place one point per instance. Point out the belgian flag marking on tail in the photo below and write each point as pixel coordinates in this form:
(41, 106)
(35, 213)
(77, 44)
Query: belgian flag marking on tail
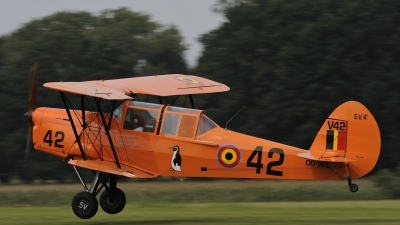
(336, 135)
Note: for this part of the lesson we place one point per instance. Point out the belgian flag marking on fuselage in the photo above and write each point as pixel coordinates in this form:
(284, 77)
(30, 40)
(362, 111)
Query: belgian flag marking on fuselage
(229, 156)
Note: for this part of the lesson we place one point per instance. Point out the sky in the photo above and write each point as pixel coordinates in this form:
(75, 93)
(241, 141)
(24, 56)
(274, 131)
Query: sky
(191, 17)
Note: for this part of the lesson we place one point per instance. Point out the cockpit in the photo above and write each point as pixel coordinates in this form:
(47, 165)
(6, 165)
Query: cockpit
(163, 120)
(141, 116)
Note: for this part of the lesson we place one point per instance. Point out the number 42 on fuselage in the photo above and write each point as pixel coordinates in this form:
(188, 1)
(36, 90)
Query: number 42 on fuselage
(147, 140)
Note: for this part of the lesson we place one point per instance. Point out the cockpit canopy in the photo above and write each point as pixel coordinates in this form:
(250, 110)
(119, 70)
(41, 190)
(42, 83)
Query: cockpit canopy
(163, 120)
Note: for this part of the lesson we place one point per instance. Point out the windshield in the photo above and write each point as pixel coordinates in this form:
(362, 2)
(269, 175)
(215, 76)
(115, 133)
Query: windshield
(118, 113)
(205, 125)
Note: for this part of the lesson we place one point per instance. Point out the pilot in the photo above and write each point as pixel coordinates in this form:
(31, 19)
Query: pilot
(138, 122)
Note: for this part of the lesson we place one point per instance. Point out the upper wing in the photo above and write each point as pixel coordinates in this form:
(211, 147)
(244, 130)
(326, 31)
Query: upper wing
(159, 85)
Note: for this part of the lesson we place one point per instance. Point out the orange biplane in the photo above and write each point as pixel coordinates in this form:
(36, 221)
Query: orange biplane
(146, 140)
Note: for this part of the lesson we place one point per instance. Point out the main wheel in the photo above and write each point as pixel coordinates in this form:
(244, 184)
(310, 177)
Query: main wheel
(113, 203)
(85, 205)
(353, 187)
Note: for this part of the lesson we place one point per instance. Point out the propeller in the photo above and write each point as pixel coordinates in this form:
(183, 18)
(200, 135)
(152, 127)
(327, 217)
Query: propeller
(31, 109)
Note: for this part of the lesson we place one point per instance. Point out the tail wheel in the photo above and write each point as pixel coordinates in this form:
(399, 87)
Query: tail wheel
(353, 187)
(85, 205)
(113, 202)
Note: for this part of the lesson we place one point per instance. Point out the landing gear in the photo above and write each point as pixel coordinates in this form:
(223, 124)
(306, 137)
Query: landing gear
(85, 205)
(112, 200)
(353, 187)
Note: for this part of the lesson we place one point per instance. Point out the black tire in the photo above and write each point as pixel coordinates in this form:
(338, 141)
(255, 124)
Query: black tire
(115, 206)
(353, 187)
(85, 205)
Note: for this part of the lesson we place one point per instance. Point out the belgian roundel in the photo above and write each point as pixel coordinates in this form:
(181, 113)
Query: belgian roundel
(188, 80)
(229, 156)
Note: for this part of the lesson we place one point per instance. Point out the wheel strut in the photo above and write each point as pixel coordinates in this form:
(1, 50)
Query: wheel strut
(112, 200)
(353, 187)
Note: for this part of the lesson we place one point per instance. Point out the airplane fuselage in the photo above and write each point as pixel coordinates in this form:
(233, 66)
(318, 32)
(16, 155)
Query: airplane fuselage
(203, 152)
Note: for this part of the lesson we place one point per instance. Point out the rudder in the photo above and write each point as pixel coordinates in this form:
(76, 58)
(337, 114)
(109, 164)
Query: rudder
(351, 135)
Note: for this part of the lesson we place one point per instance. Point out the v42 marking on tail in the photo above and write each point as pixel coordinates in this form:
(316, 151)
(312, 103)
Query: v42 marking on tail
(336, 135)
(336, 125)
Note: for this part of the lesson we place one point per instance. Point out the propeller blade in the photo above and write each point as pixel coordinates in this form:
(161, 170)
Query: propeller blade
(32, 107)
(28, 143)
(32, 91)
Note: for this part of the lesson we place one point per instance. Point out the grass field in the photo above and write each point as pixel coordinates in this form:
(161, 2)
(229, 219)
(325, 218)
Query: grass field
(209, 202)
(340, 212)
(194, 191)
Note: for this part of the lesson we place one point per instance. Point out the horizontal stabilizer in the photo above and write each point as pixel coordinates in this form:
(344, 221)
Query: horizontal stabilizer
(323, 156)
(110, 167)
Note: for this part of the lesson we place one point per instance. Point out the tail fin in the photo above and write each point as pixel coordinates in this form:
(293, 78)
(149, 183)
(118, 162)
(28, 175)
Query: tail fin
(350, 135)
